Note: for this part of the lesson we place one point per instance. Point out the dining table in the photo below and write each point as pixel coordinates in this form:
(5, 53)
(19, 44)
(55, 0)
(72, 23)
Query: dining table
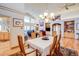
(43, 46)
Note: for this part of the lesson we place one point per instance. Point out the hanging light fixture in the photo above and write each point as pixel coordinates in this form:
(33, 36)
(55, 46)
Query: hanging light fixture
(46, 20)
(51, 14)
(47, 16)
(41, 16)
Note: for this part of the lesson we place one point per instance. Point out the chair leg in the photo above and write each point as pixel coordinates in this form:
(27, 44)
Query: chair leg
(28, 46)
(38, 53)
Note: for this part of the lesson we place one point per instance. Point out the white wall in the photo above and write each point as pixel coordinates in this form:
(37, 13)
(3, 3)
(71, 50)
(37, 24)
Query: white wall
(14, 31)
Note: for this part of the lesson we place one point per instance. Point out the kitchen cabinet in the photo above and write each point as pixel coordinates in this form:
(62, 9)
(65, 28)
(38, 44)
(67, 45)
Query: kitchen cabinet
(4, 36)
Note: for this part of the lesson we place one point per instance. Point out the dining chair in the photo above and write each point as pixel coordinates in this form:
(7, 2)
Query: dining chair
(58, 42)
(54, 33)
(42, 33)
(24, 51)
(33, 35)
(58, 52)
(52, 47)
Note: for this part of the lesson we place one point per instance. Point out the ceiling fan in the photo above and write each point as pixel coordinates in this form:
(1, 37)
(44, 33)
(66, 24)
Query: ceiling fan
(66, 6)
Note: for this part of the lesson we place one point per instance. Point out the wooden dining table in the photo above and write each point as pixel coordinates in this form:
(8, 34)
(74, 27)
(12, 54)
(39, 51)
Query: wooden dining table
(43, 46)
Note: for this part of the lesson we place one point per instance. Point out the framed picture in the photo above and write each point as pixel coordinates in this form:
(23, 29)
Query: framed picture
(77, 26)
(18, 22)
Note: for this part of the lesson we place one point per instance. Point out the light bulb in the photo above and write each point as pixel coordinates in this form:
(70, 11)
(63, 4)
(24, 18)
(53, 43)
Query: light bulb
(45, 14)
(52, 14)
(41, 16)
(46, 20)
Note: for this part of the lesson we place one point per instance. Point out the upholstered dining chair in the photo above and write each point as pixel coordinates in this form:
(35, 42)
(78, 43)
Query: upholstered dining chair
(24, 51)
(52, 47)
(33, 35)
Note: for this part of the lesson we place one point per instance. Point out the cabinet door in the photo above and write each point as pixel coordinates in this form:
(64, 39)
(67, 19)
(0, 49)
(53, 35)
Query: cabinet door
(1, 36)
(69, 35)
(6, 36)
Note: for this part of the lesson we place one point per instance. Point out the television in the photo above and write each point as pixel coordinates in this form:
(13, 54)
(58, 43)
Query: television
(47, 29)
(47, 26)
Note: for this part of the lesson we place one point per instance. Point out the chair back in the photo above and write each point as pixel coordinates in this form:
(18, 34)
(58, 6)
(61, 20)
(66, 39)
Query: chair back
(44, 33)
(40, 33)
(54, 33)
(52, 47)
(58, 42)
(58, 52)
(33, 35)
(21, 45)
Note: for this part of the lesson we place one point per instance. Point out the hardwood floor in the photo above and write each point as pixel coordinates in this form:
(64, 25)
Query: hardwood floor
(70, 43)
(65, 42)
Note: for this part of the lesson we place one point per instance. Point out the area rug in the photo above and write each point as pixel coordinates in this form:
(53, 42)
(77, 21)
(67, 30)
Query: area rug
(68, 52)
(64, 51)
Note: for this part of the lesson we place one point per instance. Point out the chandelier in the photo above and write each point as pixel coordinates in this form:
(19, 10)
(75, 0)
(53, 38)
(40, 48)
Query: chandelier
(47, 16)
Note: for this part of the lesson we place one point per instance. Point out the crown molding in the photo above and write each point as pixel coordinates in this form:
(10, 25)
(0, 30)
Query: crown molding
(15, 11)
(10, 9)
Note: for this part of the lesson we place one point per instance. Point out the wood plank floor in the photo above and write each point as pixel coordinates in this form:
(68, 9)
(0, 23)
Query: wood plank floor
(70, 43)
(65, 42)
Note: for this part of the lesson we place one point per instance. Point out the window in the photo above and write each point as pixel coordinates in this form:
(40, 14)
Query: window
(29, 23)
(0, 27)
(0, 23)
(32, 27)
(32, 20)
(26, 27)
(0, 19)
(27, 19)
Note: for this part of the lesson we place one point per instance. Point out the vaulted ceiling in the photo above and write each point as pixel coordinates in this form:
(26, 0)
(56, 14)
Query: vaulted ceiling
(35, 9)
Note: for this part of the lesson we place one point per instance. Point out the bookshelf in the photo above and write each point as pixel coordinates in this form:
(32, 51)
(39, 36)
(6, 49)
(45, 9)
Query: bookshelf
(69, 29)
(69, 26)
